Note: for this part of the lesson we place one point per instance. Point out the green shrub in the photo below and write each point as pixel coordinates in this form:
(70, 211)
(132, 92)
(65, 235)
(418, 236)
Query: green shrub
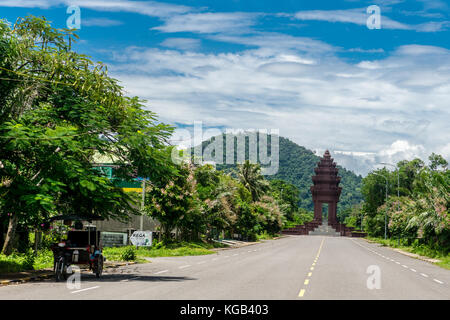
(28, 261)
(129, 254)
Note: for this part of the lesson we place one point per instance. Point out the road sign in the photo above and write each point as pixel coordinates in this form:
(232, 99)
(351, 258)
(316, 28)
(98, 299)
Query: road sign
(142, 238)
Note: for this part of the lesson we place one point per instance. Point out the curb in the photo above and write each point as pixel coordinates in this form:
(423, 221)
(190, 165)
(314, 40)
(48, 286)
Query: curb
(27, 279)
(235, 247)
(408, 254)
(50, 275)
(416, 256)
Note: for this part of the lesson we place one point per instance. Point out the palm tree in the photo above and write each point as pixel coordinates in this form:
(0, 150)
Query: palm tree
(251, 178)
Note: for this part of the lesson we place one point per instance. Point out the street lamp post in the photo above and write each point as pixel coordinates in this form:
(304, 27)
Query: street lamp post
(398, 189)
(385, 213)
(362, 216)
(398, 182)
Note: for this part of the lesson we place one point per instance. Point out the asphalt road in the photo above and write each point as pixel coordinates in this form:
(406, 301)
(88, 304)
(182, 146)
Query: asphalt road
(295, 267)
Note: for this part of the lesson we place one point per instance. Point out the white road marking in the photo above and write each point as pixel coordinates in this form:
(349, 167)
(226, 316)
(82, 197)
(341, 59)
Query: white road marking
(236, 254)
(413, 270)
(85, 289)
(201, 262)
(159, 272)
(214, 259)
(186, 266)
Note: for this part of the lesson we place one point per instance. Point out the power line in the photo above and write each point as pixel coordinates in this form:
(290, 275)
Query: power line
(32, 77)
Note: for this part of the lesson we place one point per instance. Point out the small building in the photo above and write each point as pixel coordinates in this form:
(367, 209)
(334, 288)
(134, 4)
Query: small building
(117, 233)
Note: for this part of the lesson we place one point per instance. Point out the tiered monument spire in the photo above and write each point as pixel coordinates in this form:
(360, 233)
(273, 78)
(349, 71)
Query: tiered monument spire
(326, 188)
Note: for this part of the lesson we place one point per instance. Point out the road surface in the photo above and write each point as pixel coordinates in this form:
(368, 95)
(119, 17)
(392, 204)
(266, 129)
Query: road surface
(294, 267)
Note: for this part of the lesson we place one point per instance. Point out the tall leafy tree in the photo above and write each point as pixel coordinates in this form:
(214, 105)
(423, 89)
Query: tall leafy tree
(251, 178)
(174, 202)
(217, 192)
(58, 109)
(287, 195)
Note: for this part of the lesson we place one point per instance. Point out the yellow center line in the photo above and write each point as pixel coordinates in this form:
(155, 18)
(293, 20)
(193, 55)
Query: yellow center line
(302, 291)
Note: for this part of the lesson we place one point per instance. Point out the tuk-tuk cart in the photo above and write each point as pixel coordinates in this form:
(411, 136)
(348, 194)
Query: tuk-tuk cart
(82, 247)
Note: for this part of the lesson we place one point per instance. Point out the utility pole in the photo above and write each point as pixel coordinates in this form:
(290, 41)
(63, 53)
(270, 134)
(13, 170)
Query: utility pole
(385, 213)
(142, 205)
(398, 182)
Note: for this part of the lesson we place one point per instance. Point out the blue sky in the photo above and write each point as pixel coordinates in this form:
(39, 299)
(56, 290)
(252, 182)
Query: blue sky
(312, 69)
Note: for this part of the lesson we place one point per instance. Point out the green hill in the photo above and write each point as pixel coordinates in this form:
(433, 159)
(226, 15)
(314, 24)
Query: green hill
(296, 166)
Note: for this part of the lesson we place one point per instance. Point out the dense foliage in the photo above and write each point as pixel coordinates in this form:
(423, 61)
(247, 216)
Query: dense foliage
(420, 214)
(58, 110)
(201, 202)
(296, 167)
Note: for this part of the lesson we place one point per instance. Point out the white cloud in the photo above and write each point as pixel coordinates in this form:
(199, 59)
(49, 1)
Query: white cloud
(208, 22)
(187, 44)
(373, 111)
(44, 4)
(269, 43)
(149, 8)
(395, 111)
(360, 50)
(445, 151)
(404, 148)
(359, 16)
(100, 22)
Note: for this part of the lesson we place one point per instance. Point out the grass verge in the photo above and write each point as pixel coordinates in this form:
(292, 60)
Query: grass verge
(18, 262)
(266, 236)
(160, 249)
(421, 250)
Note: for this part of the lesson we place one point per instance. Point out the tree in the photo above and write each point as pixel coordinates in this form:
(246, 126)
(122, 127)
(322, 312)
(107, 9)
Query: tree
(421, 211)
(408, 171)
(57, 110)
(437, 162)
(251, 178)
(217, 192)
(431, 203)
(269, 214)
(174, 202)
(287, 195)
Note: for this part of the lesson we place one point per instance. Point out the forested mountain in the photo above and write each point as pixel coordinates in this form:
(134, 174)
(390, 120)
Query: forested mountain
(296, 166)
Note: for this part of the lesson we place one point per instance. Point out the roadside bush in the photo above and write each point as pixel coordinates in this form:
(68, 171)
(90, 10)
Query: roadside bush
(129, 254)
(17, 262)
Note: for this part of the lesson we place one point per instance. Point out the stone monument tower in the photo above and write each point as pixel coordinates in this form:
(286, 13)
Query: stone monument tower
(326, 188)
